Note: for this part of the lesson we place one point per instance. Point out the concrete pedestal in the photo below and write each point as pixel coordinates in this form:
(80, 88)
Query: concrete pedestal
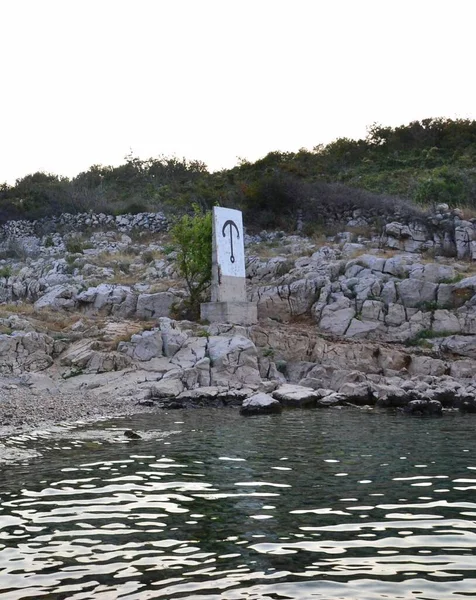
(237, 313)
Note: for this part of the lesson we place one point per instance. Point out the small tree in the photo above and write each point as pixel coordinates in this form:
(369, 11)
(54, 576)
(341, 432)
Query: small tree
(192, 236)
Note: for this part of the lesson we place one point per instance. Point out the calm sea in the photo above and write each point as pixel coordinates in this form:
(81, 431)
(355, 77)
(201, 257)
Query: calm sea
(329, 504)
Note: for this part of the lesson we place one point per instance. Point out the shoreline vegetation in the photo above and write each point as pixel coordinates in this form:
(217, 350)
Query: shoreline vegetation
(405, 168)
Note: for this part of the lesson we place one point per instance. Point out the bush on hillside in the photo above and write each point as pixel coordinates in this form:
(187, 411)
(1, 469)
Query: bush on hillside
(192, 237)
(426, 161)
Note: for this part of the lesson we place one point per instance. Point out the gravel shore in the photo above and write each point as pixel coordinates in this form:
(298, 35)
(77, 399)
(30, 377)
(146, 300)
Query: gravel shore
(23, 408)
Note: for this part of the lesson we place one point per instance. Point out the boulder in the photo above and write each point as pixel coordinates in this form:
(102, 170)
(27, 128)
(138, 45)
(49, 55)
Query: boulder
(84, 356)
(57, 298)
(357, 393)
(416, 293)
(424, 407)
(295, 395)
(143, 346)
(154, 305)
(462, 345)
(462, 369)
(260, 404)
(285, 301)
(425, 365)
(363, 329)
(166, 388)
(330, 400)
(336, 317)
(191, 352)
(233, 361)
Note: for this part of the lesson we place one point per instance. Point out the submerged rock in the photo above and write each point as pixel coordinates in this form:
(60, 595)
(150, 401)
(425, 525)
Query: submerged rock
(132, 435)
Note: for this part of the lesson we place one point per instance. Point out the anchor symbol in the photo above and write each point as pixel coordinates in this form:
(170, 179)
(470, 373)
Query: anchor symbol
(231, 224)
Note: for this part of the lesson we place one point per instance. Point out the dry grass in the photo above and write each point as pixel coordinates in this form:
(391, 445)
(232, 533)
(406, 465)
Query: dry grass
(163, 285)
(44, 319)
(111, 339)
(148, 237)
(120, 278)
(469, 213)
(365, 231)
(112, 259)
(265, 249)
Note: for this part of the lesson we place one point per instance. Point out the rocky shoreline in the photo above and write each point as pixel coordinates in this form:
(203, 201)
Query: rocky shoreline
(359, 319)
(24, 407)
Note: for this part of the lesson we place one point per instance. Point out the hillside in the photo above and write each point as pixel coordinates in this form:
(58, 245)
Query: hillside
(410, 166)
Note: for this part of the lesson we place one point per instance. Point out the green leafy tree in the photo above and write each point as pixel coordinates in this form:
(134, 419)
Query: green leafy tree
(192, 237)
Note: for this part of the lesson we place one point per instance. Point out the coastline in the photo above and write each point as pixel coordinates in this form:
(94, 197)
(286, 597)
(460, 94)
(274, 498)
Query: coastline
(23, 409)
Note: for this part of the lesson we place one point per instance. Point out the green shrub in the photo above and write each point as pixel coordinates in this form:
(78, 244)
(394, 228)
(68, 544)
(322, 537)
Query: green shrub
(192, 236)
(74, 246)
(147, 257)
(5, 271)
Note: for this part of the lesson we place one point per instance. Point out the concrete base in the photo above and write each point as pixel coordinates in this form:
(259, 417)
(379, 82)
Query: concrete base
(237, 313)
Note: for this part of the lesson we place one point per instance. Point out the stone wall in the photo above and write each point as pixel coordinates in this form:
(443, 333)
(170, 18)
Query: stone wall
(153, 222)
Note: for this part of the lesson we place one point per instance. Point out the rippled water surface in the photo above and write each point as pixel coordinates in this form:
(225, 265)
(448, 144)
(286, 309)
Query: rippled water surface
(210, 505)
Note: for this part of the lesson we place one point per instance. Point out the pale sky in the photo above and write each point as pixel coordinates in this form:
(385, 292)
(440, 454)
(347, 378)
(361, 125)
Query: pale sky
(83, 82)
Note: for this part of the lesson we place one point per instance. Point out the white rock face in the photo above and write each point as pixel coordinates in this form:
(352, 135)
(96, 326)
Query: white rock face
(85, 356)
(154, 305)
(25, 352)
(234, 361)
(336, 317)
(143, 346)
(460, 345)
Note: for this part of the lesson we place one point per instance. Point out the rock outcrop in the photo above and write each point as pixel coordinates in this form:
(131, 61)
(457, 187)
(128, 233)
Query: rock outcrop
(387, 320)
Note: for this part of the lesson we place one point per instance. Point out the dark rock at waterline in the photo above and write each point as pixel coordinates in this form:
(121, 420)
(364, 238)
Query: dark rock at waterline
(146, 403)
(331, 401)
(424, 407)
(466, 404)
(132, 435)
(260, 404)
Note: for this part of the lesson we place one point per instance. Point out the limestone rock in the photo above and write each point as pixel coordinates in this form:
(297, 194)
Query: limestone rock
(154, 305)
(85, 356)
(462, 345)
(295, 395)
(357, 393)
(414, 293)
(330, 400)
(260, 404)
(57, 298)
(234, 361)
(336, 317)
(166, 388)
(362, 329)
(425, 365)
(191, 352)
(143, 346)
(25, 352)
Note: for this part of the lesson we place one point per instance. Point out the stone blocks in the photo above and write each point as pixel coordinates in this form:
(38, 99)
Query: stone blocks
(237, 313)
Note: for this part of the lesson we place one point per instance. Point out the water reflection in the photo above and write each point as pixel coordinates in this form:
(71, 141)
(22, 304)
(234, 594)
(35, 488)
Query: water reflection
(320, 504)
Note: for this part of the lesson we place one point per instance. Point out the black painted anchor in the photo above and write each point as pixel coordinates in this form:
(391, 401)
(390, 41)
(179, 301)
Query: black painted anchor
(231, 224)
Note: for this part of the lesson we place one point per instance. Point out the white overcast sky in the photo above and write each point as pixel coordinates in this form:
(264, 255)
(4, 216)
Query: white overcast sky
(85, 81)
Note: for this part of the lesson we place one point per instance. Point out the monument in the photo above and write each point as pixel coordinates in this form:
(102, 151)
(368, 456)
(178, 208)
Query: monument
(228, 298)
